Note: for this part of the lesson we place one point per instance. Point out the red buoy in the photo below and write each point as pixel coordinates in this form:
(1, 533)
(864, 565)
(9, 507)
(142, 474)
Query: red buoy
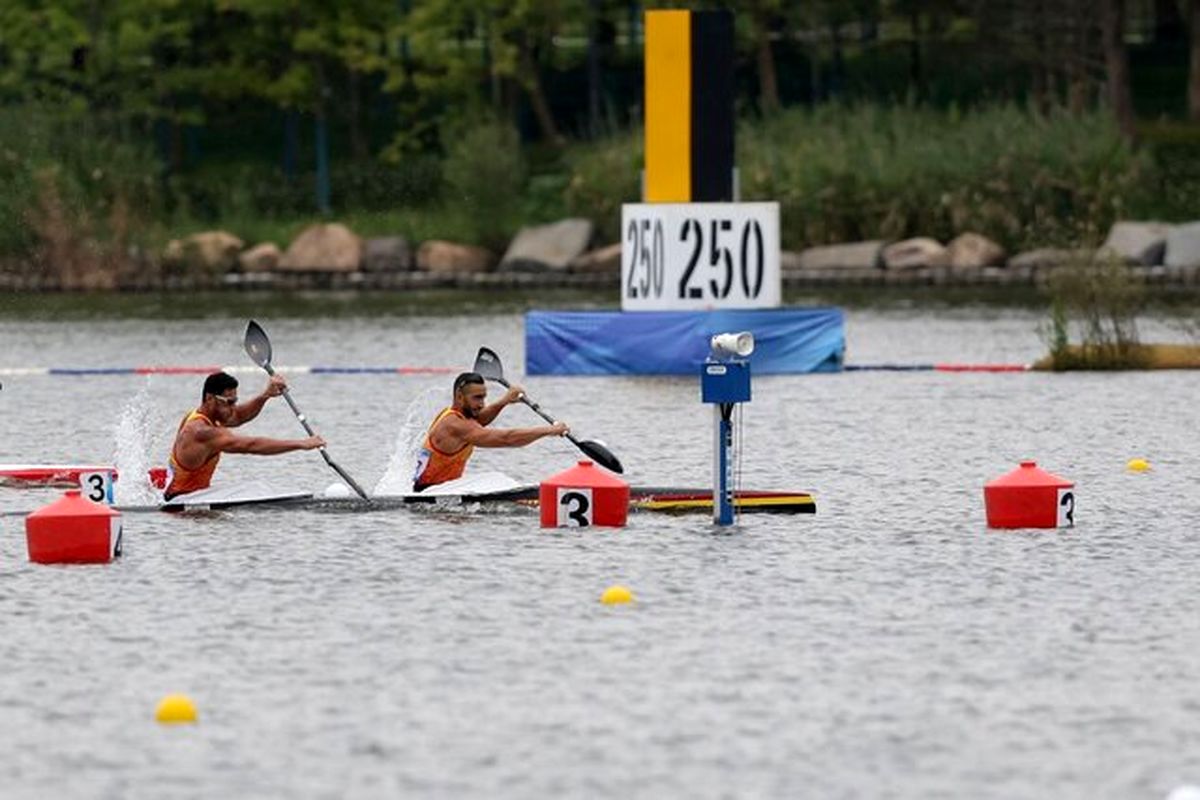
(582, 496)
(1029, 497)
(73, 530)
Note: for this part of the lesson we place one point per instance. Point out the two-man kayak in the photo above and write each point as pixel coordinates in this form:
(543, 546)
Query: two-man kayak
(489, 489)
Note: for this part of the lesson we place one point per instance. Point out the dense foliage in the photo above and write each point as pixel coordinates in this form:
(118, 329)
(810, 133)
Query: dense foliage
(125, 123)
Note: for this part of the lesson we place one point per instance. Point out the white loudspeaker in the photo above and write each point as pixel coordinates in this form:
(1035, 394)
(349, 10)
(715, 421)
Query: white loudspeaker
(733, 344)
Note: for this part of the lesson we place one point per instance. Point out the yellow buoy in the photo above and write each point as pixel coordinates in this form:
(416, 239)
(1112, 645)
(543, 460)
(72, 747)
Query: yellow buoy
(175, 709)
(616, 595)
(1137, 465)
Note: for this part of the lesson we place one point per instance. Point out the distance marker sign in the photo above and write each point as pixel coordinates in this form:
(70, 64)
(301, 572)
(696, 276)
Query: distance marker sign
(696, 256)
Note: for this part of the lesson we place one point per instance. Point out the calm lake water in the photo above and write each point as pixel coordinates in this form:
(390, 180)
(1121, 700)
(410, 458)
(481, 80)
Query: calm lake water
(889, 646)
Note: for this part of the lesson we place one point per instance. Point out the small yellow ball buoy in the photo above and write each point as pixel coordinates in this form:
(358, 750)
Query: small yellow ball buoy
(616, 595)
(175, 709)
(1137, 465)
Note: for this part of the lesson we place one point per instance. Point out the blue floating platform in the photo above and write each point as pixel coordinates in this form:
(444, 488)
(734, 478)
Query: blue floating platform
(787, 341)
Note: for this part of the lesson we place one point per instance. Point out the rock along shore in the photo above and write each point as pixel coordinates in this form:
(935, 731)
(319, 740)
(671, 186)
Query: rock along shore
(1167, 277)
(561, 256)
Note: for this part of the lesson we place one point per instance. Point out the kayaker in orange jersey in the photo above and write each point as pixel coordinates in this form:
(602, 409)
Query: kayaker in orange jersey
(456, 432)
(204, 434)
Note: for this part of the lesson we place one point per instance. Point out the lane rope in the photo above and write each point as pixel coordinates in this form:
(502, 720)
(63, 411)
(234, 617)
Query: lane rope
(231, 369)
(239, 369)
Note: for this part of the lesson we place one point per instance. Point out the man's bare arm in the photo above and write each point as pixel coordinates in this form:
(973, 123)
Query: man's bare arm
(489, 413)
(226, 442)
(513, 437)
(244, 412)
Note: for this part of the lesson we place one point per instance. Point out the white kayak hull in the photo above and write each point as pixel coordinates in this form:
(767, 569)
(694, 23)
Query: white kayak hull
(470, 488)
(482, 489)
(244, 494)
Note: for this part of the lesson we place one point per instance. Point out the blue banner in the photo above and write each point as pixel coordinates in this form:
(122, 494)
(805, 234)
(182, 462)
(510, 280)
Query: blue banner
(787, 340)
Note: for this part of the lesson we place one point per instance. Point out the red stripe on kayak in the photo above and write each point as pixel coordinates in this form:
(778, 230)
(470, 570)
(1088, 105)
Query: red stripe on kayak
(175, 370)
(981, 368)
(667, 493)
(50, 475)
(424, 370)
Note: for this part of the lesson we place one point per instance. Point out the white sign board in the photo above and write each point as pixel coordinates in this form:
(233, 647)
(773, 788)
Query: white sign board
(698, 256)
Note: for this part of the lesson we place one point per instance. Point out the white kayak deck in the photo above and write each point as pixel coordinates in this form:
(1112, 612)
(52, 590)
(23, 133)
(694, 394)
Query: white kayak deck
(469, 488)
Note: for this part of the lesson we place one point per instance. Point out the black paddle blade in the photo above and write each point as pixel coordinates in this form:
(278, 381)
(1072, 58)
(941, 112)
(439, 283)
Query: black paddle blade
(600, 454)
(258, 346)
(487, 364)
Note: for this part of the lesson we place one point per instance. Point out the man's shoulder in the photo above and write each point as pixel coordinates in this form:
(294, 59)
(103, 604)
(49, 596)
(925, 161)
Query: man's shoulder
(450, 431)
(455, 419)
(199, 429)
(456, 422)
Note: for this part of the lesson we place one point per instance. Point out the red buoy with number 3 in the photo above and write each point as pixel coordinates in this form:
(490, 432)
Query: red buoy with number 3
(583, 496)
(1029, 497)
(73, 530)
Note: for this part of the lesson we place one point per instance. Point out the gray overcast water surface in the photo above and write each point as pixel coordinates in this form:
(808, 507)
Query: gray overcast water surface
(889, 646)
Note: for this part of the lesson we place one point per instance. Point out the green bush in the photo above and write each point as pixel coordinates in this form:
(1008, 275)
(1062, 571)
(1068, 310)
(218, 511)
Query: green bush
(1175, 149)
(603, 175)
(485, 177)
(253, 189)
(840, 174)
(95, 174)
(1024, 179)
(1098, 300)
(871, 171)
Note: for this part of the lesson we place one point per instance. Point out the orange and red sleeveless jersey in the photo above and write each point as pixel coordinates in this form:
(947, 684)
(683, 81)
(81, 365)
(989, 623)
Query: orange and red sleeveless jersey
(434, 466)
(182, 480)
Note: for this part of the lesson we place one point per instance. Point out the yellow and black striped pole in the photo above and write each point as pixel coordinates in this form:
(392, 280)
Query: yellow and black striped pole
(689, 107)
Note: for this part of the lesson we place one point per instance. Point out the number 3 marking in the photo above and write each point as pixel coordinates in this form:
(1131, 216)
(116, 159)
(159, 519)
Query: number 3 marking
(579, 514)
(97, 492)
(1066, 509)
(96, 486)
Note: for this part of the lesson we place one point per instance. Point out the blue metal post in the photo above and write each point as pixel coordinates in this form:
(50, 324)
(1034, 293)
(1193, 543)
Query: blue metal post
(723, 464)
(724, 384)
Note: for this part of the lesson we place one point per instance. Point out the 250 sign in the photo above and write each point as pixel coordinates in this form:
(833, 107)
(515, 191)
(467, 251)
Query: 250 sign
(700, 255)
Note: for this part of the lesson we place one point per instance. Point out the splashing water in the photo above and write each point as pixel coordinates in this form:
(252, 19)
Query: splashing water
(134, 440)
(398, 477)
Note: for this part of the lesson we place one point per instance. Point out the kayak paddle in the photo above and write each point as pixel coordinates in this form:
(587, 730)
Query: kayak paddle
(487, 364)
(258, 347)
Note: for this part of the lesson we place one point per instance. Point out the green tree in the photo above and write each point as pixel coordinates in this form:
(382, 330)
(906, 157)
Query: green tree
(460, 45)
(117, 59)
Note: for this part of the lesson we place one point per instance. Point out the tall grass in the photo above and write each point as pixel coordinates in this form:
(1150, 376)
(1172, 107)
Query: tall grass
(840, 173)
(603, 175)
(1098, 301)
(866, 172)
(485, 176)
(77, 193)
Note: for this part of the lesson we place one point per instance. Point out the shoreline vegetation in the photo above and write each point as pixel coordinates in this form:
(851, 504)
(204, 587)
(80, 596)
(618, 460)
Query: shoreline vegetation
(1107, 333)
(91, 213)
(400, 154)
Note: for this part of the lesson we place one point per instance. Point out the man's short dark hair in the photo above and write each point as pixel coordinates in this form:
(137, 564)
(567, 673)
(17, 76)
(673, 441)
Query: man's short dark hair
(466, 378)
(218, 383)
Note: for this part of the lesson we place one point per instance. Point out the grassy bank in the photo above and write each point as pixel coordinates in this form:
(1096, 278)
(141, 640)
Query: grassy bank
(1021, 178)
(840, 173)
(1180, 309)
(74, 306)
